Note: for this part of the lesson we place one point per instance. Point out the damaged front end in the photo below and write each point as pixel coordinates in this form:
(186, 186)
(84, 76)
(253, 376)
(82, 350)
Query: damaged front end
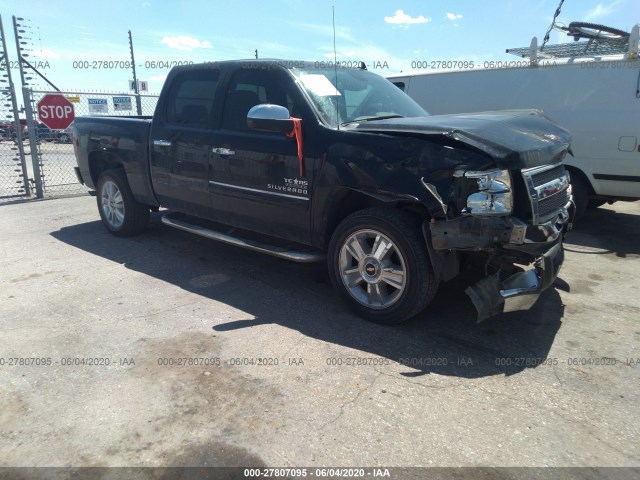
(519, 218)
(520, 291)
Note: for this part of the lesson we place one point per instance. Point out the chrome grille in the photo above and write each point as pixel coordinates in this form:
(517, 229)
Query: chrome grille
(552, 205)
(547, 175)
(548, 189)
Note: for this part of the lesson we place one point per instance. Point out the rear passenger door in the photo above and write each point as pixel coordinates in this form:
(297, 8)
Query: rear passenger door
(181, 141)
(255, 178)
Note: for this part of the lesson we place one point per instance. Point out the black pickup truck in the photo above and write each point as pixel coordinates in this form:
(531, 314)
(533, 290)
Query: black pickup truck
(307, 163)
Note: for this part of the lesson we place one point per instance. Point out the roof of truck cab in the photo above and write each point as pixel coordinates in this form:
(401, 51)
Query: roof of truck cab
(241, 62)
(265, 63)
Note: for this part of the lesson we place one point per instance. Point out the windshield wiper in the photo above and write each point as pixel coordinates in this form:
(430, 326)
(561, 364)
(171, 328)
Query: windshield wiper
(368, 119)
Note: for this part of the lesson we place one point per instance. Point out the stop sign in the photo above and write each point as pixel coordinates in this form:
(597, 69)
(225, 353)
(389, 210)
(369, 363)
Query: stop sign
(55, 111)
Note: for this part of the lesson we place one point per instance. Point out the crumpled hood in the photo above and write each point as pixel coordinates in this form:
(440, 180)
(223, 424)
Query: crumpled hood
(514, 138)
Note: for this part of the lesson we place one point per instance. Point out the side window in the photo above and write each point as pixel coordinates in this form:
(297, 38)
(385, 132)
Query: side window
(259, 90)
(249, 88)
(292, 106)
(191, 98)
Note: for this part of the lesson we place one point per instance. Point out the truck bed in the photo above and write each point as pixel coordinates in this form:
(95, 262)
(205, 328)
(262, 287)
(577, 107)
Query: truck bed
(115, 136)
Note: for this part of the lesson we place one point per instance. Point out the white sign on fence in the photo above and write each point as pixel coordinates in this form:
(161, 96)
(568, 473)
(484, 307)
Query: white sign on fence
(122, 103)
(98, 105)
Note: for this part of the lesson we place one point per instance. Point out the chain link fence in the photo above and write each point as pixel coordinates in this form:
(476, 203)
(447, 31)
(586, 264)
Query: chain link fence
(54, 149)
(13, 172)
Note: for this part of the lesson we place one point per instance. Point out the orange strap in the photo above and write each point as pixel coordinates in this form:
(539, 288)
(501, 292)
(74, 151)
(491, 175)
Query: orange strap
(297, 132)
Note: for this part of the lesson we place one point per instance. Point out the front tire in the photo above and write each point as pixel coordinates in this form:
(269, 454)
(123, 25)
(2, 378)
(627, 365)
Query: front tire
(120, 212)
(580, 192)
(378, 262)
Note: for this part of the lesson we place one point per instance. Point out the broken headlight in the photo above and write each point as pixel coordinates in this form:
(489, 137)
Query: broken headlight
(494, 195)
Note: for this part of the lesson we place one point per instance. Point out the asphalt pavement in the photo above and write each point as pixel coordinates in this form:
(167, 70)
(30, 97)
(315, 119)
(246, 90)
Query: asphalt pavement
(168, 349)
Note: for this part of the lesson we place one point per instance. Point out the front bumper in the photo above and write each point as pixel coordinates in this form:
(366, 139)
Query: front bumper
(520, 291)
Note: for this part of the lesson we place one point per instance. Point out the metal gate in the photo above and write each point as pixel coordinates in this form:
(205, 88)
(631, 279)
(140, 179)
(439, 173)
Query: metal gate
(34, 159)
(53, 151)
(14, 178)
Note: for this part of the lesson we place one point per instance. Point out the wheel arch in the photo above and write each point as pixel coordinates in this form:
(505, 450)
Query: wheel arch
(346, 201)
(99, 162)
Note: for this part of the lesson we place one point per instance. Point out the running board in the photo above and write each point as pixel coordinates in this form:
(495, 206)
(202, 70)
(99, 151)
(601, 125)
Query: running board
(295, 256)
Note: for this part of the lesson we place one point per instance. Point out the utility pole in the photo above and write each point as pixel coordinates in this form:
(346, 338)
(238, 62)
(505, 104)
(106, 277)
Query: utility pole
(135, 79)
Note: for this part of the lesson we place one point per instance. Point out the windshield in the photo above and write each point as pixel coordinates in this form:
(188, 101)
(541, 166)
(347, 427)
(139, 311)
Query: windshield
(360, 95)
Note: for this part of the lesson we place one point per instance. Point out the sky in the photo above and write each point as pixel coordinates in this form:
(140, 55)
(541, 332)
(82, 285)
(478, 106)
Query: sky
(83, 45)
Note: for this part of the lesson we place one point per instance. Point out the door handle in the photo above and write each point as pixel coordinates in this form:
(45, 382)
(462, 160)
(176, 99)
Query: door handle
(162, 143)
(223, 151)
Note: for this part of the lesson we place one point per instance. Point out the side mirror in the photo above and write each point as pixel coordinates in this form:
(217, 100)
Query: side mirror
(271, 118)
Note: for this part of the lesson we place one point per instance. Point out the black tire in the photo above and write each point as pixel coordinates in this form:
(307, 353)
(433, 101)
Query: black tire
(580, 192)
(407, 251)
(593, 30)
(124, 217)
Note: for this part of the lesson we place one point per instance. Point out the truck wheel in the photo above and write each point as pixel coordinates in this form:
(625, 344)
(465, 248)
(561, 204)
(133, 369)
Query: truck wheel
(120, 212)
(378, 262)
(580, 193)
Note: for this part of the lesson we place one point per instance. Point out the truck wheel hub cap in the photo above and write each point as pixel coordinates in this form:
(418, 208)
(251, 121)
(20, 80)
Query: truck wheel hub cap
(372, 269)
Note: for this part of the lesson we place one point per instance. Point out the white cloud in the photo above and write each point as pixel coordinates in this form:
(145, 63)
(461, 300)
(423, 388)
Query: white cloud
(182, 42)
(402, 19)
(601, 10)
(146, 4)
(453, 16)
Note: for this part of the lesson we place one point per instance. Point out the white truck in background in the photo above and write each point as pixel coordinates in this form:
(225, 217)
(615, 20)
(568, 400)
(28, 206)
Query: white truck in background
(591, 88)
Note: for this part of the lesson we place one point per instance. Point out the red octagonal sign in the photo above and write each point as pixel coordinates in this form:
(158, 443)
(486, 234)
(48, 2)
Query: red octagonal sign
(55, 111)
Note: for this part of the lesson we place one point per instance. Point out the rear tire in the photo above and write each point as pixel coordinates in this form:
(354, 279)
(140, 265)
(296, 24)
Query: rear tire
(121, 214)
(378, 263)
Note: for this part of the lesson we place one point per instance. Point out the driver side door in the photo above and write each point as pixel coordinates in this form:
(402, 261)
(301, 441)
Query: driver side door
(256, 182)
